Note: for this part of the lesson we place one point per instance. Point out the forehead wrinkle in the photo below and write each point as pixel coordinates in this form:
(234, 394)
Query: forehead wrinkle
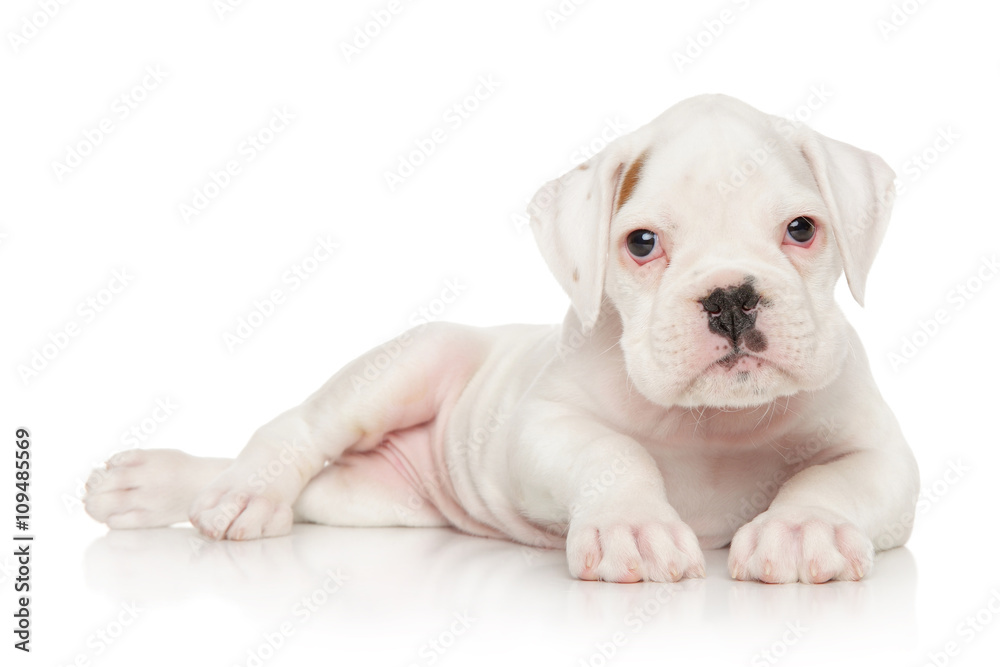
(679, 186)
(705, 152)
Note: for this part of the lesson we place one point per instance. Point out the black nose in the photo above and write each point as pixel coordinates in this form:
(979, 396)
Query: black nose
(732, 312)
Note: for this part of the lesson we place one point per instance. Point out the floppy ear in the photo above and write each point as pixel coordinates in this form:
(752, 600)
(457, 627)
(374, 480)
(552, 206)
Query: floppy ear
(857, 187)
(571, 220)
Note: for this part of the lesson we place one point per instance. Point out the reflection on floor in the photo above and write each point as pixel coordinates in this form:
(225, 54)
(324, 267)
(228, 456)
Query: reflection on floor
(414, 582)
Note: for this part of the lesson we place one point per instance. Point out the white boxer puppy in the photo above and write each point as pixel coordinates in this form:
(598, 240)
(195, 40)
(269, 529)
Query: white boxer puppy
(704, 387)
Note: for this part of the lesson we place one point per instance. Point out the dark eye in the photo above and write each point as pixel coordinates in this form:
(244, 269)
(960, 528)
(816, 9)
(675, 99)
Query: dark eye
(801, 231)
(641, 243)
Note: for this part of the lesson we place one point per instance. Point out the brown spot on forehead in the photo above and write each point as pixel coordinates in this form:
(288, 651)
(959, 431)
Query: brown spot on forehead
(631, 180)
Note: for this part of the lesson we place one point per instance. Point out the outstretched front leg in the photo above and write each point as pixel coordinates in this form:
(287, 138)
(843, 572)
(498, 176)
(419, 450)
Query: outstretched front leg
(150, 488)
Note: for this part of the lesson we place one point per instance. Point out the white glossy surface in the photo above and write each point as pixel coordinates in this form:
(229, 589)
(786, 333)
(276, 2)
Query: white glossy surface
(395, 591)
(608, 68)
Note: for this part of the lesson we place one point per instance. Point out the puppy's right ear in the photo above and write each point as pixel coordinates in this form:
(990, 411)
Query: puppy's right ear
(571, 220)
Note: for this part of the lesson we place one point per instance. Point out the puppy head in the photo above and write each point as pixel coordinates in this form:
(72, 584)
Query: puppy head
(716, 233)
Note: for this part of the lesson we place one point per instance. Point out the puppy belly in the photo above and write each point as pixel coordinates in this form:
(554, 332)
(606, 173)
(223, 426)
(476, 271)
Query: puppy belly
(419, 464)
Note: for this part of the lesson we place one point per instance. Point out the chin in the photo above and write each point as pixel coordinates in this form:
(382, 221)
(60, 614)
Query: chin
(743, 382)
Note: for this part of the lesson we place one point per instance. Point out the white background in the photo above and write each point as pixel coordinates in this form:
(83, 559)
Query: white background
(560, 84)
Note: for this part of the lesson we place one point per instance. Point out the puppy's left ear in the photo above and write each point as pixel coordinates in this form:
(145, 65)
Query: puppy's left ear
(571, 221)
(857, 187)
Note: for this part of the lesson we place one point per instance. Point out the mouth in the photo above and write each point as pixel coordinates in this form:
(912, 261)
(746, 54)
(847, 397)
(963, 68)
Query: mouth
(738, 379)
(741, 362)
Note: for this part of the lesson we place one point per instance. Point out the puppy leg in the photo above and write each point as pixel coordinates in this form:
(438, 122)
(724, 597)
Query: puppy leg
(364, 490)
(147, 488)
(609, 490)
(825, 521)
(396, 386)
(150, 488)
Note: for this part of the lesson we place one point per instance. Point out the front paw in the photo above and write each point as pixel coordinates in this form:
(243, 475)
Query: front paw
(626, 549)
(232, 508)
(800, 544)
